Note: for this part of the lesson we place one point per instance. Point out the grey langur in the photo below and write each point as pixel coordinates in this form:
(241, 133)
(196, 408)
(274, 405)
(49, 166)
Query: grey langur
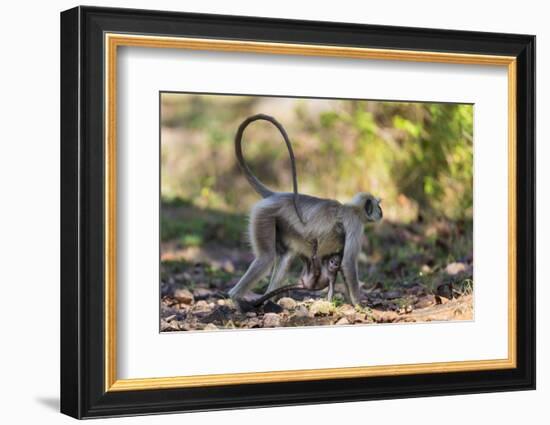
(284, 226)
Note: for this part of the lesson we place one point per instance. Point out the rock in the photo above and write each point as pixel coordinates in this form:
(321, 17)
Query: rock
(166, 326)
(287, 303)
(342, 321)
(295, 321)
(167, 311)
(384, 316)
(184, 326)
(201, 307)
(348, 311)
(229, 303)
(202, 293)
(455, 268)
(210, 327)
(301, 311)
(271, 307)
(184, 296)
(252, 323)
(218, 315)
(321, 308)
(271, 320)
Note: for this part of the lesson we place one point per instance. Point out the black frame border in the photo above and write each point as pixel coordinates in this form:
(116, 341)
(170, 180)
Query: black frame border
(82, 212)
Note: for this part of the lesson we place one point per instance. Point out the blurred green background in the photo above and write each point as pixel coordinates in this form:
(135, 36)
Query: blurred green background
(418, 157)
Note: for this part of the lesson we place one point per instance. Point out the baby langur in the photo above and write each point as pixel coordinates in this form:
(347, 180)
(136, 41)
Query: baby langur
(316, 275)
(284, 226)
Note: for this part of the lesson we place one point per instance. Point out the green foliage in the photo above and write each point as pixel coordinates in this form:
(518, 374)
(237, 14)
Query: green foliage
(192, 226)
(338, 300)
(417, 156)
(440, 157)
(419, 153)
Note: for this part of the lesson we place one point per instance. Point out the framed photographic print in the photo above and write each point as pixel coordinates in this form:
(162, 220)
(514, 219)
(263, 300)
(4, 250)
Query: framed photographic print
(261, 212)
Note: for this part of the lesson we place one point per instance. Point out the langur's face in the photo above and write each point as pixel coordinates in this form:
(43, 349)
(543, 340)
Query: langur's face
(334, 263)
(373, 208)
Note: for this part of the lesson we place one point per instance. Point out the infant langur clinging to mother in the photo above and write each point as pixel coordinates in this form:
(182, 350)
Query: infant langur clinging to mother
(321, 273)
(316, 275)
(284, 226)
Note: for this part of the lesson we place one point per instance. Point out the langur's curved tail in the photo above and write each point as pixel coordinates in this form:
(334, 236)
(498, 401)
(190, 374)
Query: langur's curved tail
(258, 186)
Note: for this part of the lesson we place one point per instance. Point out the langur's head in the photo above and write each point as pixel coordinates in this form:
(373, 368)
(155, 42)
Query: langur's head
(368, 205)
(334, 263)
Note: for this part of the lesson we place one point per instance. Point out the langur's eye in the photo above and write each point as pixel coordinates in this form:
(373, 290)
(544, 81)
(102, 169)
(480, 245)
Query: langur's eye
(369, 206)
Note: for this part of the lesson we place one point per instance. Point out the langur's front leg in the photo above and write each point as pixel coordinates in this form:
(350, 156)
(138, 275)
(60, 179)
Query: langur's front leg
(352, 247)
(349, 271)
(258, 269)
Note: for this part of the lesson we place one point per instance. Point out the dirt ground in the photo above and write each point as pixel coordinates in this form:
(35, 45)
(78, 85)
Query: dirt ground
(416, 272)
(195, 298)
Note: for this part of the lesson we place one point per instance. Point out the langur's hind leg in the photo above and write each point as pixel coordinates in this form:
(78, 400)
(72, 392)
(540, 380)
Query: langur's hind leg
(262, 235)
(258, 269)
(280, 271)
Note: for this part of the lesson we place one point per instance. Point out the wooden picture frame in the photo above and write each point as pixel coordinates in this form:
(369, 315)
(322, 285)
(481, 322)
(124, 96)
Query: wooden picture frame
(90, 39)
